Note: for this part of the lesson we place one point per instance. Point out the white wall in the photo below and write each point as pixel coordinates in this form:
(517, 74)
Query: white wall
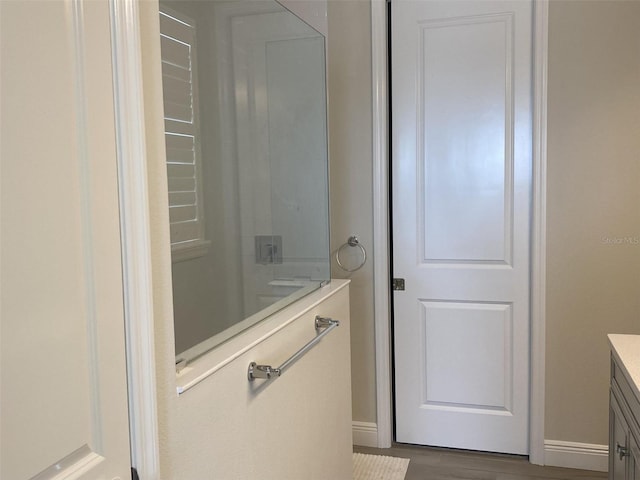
(314, 12)
(593, 198)
(350, 153)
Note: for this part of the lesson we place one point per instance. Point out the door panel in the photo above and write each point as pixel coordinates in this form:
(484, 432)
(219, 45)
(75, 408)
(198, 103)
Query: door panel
(461, 173)
(483, 332)
(64, 393)
(464, 79)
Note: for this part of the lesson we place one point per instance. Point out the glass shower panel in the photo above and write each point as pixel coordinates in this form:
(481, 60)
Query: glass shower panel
(252, 129)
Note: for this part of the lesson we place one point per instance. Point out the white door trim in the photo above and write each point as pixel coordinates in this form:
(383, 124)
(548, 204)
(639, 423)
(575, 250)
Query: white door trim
(381, 252)
(538, 231)
(381, 227)
(135, 238)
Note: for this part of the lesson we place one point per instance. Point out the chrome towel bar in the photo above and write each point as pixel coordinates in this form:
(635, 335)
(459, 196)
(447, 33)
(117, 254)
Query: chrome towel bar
(267, 372)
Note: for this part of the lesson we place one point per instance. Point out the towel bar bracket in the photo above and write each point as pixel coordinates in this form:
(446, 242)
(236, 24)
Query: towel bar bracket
(324, 322)
(262, 371)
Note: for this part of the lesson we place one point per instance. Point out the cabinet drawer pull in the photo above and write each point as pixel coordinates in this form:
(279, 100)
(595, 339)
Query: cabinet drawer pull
(622, 451)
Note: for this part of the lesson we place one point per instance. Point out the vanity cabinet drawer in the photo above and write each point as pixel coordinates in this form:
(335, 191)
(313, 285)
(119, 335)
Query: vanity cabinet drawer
(633, 403)
(634, 449)
(618, 438)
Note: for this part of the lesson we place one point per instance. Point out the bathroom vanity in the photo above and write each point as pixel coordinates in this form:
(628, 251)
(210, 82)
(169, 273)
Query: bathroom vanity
(624, 408)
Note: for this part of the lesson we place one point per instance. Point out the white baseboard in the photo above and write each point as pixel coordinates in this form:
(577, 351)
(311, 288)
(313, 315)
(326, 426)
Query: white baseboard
(365, 434)
(557, 453)
(585, 456)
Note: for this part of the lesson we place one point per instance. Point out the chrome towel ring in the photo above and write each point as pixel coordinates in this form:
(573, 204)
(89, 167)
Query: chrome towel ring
(352, 241)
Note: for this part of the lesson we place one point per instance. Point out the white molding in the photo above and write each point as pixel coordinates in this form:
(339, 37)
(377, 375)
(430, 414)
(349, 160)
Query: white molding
(183, 251)
(365, 434)
(134, 224)
(584, 456)
(381, 253)
(538, 234)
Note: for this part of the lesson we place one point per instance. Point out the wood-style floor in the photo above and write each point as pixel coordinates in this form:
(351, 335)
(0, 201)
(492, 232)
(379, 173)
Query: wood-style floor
(443, 464)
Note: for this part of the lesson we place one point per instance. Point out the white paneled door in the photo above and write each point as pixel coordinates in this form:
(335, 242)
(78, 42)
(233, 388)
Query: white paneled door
(64, 386)
(461, 173)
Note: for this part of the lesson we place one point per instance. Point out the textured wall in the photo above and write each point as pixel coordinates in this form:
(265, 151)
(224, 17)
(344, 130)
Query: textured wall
(350, 152)
(593, 243)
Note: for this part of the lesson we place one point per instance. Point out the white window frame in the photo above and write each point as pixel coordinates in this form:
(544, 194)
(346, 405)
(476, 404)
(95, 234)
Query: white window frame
(179, 27)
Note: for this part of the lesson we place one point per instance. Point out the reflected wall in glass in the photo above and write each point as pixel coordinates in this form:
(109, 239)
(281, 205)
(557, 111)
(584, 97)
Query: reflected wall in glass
(245, 130)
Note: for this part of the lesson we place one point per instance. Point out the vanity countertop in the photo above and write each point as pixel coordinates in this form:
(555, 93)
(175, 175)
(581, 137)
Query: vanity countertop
(626, 349)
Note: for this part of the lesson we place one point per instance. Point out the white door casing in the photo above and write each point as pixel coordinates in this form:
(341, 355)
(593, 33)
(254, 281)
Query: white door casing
(462, 160)
(64, 384)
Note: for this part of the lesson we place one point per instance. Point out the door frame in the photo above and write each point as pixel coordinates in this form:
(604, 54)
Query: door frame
(381, 226)
(135, 237)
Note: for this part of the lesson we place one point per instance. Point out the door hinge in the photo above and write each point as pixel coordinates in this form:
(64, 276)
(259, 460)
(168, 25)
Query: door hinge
(398, 284)
(134, 474)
